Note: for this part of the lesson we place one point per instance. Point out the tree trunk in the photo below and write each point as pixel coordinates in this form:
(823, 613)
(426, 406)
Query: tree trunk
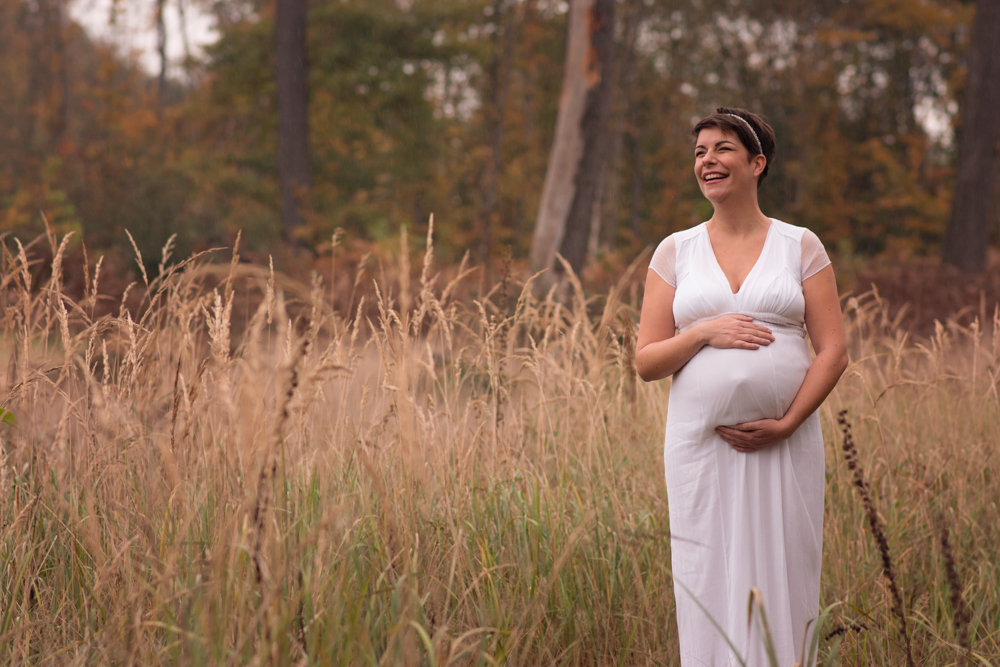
(161, 48)
(606, 208)
(597, 210)
(498, 83)
(635, 153)
(567, 146)
(972, 209)
(52, 17)
(47, 76)
(530, 32)
(594, 127)
(185, 41)
(293, 119)
(62, 122)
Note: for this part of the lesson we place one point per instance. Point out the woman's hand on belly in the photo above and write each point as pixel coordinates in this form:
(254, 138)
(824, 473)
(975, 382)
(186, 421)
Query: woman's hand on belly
(734, 331)
(751, 436)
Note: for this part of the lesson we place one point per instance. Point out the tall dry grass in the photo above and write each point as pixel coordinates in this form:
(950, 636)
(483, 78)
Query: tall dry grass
(445, 482)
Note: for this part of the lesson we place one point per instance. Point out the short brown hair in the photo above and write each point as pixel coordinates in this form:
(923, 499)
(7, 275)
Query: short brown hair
(723, 119)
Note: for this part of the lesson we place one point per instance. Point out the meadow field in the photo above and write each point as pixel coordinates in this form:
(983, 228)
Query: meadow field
(434, 475)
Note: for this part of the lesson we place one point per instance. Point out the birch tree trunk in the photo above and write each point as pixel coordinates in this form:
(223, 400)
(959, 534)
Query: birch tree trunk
(595, 131)
(567, 146)
(973, 208)
(293, 119)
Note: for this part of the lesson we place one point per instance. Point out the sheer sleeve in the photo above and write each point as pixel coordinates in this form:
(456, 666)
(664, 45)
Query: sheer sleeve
(814, 257)
(664, 259)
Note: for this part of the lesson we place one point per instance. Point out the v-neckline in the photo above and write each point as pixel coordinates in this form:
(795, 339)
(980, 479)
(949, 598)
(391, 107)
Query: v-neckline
(746, 279)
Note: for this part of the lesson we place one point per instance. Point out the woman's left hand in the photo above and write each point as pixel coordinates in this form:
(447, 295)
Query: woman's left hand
(751, 436)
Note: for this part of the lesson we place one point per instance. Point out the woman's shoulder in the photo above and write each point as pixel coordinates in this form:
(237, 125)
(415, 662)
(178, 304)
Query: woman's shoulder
(690, 232)
(669, 254)
(793, 232)
(679, 237)
(671, 242)
(805, 246)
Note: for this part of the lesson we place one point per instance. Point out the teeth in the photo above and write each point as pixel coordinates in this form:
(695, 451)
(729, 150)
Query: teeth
(714, 177)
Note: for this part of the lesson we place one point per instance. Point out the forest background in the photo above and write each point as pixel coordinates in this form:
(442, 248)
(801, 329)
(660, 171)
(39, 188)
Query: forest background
(450, 107)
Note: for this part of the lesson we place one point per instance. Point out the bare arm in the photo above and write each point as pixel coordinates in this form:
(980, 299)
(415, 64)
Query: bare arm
(661, 351)
(825, 324)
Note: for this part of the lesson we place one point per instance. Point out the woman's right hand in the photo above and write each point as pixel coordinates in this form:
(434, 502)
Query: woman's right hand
(661, 351)
(734, 331)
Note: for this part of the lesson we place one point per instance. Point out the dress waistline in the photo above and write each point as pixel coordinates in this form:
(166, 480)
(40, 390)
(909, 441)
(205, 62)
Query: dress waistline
(769, 320)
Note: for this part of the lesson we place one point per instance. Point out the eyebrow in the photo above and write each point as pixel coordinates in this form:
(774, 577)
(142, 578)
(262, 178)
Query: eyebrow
(723, 141)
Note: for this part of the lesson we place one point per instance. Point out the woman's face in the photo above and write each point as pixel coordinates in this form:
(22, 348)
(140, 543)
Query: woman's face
(723, 166)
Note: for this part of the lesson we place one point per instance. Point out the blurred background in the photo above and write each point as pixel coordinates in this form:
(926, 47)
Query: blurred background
(288, 121)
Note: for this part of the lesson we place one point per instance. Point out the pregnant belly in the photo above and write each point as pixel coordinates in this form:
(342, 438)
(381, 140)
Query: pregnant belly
(728, 386)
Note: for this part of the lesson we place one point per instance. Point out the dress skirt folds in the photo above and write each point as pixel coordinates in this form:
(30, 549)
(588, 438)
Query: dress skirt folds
(741, 521)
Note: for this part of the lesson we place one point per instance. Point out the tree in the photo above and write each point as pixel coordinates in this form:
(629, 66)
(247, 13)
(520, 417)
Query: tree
(161, 48)
(498, 84)
(294, 171)
(580, 145)
(596, 137)
(609, 183)
(972, 212)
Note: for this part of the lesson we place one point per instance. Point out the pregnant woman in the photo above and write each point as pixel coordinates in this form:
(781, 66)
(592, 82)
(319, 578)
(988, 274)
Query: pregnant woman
(726, 309)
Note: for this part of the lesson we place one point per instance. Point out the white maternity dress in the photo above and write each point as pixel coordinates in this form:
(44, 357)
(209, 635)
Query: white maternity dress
(741, 521)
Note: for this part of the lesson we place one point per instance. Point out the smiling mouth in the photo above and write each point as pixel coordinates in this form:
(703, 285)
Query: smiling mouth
(711, 178)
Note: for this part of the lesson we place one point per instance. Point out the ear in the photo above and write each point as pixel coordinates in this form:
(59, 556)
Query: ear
(759, 162)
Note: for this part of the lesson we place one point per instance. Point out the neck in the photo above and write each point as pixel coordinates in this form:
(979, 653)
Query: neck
(742, 217)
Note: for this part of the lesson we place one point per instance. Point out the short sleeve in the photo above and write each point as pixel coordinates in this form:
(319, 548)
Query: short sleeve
(664, 259)
(814, 257)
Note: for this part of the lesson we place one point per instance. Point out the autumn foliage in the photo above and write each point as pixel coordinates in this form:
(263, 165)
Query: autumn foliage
(402, 113)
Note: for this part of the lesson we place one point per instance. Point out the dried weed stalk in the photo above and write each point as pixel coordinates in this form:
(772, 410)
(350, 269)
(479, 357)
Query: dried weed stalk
(878, 530)
(961, 616)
